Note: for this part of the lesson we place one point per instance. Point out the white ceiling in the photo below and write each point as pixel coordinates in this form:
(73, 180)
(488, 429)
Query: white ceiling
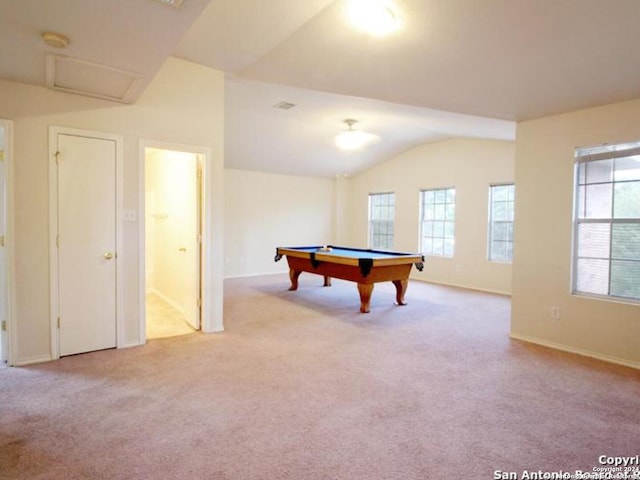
(456, 68)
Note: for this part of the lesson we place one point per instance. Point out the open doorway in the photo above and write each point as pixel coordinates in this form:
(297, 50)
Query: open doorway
(3, 290)
(173, 242)
(7, 336)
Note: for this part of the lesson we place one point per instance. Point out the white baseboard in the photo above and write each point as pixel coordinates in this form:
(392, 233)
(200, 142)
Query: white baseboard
(578, 351)
(32, 361)
(466, 287)
(130, 345)
(249, 275)
(214, 330)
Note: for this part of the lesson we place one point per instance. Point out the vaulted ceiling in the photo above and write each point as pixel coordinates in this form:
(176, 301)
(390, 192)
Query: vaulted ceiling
(455, 68)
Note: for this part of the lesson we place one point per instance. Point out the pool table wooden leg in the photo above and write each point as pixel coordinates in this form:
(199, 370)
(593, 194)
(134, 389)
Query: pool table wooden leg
(327, 281)
(401, 289)
(365, 290)
(293, 276)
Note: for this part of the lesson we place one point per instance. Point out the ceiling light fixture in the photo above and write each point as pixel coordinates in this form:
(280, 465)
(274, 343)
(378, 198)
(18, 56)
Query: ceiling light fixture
(376, 17)
(54, 39)
(354, 139)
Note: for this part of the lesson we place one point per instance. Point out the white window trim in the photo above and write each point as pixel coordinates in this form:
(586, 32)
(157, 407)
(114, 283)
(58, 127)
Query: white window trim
(489, 230)
(369, 219)
(421, 220)
(585, 158)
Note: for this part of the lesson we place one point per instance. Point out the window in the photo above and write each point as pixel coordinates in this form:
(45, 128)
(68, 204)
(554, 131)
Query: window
(381, 215)
(606, 238)
(501, 223)
(437, 221)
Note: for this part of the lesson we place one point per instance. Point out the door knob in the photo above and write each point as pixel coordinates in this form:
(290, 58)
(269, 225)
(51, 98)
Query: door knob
(182, 249)
(108, 255)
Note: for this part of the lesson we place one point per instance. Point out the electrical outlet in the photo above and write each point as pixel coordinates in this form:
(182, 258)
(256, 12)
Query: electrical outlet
(555, 313)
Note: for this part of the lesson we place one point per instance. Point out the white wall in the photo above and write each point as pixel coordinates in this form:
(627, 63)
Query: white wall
(264, 211)
(184, 104)
(470, 166)
(543, 232)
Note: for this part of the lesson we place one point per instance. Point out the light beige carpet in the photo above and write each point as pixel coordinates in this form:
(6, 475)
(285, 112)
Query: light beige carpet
(302, 386)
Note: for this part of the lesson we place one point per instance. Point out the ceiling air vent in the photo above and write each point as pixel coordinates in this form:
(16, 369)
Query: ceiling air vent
(82, 77)
(284, 105)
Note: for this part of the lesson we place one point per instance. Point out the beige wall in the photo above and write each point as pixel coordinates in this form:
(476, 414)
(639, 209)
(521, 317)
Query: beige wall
(543, 231)
(264, 211)
(184, 104)
(470, 166)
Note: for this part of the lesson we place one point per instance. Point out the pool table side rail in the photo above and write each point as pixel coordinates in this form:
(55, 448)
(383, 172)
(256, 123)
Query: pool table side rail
(351, 273)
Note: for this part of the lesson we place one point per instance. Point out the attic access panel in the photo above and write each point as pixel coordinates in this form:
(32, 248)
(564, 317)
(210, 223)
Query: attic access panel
(73, 75)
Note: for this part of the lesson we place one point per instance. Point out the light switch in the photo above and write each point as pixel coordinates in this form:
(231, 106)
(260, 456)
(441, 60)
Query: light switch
(130, 216)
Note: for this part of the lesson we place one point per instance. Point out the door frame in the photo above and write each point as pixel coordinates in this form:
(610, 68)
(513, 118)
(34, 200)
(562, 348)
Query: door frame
(206, 270)
(10, 338)
(54, 131)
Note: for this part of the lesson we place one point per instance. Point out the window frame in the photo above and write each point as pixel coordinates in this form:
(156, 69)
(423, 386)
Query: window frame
(371, 235)
(422, 220)
(583, 156)
(491, 222)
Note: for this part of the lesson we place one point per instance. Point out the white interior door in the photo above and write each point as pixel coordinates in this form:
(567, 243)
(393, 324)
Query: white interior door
(190, 249)
(185, 230)
(87, 260)
(3, 264)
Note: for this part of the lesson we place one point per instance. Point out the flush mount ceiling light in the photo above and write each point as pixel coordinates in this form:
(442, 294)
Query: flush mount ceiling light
(54, 39)
(376, 17)
(354, 139)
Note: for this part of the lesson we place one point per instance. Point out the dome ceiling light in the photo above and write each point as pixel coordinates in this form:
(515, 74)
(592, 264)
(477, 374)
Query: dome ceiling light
(54, 39)
(351, 139)
(376, 17)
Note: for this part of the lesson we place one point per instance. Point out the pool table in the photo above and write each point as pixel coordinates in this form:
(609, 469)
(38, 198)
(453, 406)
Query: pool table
(365, 267)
